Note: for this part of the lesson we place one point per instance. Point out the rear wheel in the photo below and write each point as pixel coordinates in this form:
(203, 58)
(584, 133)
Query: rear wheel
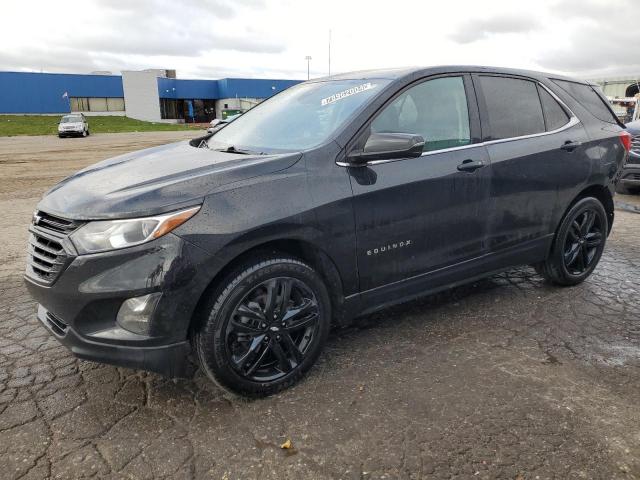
(265, 327)
(578, 244)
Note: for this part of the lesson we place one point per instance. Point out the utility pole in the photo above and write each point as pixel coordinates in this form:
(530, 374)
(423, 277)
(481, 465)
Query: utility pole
(329, 52)
(308, 59)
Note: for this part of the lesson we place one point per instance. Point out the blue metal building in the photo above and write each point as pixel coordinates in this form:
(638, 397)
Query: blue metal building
(143, 95)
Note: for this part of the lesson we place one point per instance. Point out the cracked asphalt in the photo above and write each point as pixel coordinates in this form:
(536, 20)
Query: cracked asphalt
(505, 378)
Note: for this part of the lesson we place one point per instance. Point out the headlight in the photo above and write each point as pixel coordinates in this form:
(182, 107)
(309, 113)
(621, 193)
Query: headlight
(103, 235)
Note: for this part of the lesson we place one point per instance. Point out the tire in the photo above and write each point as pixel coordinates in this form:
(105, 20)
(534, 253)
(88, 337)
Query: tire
(578, 244)
(84, 133)
(242, 343)
(88, 132)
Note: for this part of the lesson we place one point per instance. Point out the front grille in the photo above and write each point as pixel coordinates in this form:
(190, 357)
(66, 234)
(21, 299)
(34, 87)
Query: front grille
(47, 255)
(632, 176)
(57, 224)
(58, 326)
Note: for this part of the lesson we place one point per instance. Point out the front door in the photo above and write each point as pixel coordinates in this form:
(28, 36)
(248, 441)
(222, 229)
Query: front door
(420, 214)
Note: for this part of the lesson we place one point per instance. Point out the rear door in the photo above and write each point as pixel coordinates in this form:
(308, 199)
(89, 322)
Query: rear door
(537, 150)
(415, 215)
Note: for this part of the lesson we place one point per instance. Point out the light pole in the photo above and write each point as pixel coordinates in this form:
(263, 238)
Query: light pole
(308, 59)
(329, 52)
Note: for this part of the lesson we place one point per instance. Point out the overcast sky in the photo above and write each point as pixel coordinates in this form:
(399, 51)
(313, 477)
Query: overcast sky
(270, 38)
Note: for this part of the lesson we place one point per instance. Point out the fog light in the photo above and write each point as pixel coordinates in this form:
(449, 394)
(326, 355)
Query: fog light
(135, 313)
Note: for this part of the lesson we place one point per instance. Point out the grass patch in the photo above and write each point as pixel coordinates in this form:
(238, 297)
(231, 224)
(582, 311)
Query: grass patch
(11, 125)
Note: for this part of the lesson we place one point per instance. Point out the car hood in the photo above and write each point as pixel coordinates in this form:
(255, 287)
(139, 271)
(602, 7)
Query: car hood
(153, 181)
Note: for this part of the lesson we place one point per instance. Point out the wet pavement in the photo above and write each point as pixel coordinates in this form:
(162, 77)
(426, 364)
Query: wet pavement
(629, 203)
(505, 378)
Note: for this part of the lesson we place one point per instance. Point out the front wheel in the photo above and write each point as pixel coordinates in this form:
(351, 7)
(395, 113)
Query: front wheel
(265, 327)
(578, 244)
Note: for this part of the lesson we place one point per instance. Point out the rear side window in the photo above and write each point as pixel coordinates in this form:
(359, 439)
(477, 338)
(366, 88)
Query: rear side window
(513, 107)
(554, 114)
(589, 99)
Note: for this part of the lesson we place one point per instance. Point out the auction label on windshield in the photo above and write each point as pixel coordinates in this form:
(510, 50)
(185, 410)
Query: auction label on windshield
(346, 93)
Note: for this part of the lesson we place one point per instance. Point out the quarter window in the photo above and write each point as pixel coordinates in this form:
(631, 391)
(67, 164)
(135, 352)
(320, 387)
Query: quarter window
(436, 109)
(589, 99)
(554, 114)
(513, 107)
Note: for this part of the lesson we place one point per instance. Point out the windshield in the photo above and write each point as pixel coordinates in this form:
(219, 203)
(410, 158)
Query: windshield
(299, 118)
(71, 119)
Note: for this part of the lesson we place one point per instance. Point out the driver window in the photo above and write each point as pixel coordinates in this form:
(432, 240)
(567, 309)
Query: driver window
(436, 109)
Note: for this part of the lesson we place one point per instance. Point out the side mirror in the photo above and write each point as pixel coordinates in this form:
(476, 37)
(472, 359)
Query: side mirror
(388, 146)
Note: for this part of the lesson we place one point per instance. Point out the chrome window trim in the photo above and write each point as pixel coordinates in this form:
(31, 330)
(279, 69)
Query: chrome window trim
(573, 121)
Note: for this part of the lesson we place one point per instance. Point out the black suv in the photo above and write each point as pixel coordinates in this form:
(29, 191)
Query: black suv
(334, 198)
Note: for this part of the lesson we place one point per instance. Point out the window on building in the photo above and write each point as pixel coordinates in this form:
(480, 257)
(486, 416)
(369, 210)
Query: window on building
(79, 104)
(436, 109)
(174, 109)
(96, 104)
(171, 109)
(115, 104)
(554, 114)
(513, 107)
(589, 99)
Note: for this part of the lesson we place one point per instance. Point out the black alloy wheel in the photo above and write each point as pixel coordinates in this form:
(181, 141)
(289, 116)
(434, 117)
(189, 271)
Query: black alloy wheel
(271, 329)
(585, 236)
(264, 325)
(578, 243)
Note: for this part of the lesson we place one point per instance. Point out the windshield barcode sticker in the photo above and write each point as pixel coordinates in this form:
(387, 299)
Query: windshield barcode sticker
(346, 93)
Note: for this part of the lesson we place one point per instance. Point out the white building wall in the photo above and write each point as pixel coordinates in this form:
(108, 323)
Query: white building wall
(616, 86)
(141, 98)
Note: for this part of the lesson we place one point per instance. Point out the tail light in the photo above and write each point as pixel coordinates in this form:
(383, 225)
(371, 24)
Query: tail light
(625, 138)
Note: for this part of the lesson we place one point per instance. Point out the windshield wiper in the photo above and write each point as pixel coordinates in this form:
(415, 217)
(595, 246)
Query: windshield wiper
(232, 149)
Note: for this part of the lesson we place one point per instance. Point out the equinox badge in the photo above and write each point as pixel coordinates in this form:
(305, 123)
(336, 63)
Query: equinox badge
(389, 247)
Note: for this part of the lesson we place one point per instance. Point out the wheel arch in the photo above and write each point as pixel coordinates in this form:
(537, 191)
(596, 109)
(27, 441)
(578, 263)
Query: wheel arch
(303, 250)
(600, 192)
(603, 194)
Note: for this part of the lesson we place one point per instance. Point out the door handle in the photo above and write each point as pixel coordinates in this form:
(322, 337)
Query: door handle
(470, 165)
(570, 146)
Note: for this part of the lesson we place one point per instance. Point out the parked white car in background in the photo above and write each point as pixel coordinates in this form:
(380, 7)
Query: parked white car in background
(74, 124)
(216, 124)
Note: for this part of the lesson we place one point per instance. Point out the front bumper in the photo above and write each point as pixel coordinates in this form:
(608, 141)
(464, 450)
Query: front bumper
(171, 360)
(80, 306)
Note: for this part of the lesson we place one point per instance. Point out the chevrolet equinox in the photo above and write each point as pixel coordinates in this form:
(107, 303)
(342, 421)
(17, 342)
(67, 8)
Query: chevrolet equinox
(332, 199)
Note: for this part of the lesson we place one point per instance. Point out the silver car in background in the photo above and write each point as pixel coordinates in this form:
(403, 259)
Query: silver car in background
(216, 124)
(73, 125)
